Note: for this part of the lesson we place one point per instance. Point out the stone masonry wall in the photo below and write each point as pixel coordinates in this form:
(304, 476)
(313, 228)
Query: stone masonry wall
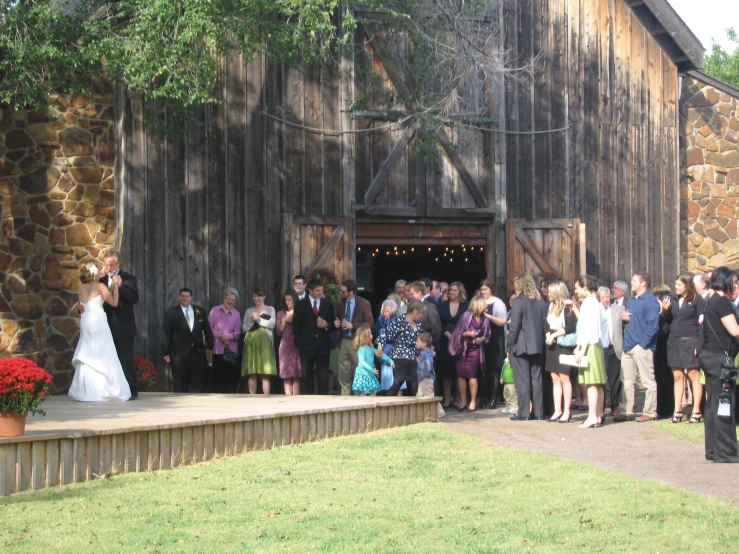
(56, 195)
(709, 174)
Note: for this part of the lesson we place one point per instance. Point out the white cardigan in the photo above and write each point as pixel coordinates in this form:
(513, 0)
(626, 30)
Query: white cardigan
(588, 325)
(268, 324)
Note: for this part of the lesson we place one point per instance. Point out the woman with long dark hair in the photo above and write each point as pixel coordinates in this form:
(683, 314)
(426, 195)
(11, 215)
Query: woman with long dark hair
(720, 331)
(449, 312)
(497, 315)
(290, 370)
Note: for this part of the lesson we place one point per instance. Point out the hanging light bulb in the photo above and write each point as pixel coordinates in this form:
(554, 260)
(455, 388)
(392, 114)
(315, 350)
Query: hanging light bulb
(413, 249)
(377, 249)
(373, 254)
(387, 253)
(452, 251)
(445, 254)
(437, 259)
(404, 252)
(359, 249)
(396, 252)
(429, 249)
(481, 249)
(472, 247)
(447, 249)
(465, 259)
(395, 247)
(451, 260)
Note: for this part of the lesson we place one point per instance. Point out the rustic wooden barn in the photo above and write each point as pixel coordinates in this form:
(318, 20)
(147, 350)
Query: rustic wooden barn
(243, 199)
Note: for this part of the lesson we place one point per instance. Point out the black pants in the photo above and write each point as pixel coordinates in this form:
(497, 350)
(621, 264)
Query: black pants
(527, 376)
(720, 432)
(124, 349)
(488, 379)
(225, 375)
(314, 363)
(614, 388)
(188, 371)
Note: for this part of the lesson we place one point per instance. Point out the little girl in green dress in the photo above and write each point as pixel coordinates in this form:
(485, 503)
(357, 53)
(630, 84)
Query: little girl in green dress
(365, 375)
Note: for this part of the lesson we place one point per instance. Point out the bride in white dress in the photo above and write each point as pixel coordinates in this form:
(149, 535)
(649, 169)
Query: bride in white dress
(98, 374)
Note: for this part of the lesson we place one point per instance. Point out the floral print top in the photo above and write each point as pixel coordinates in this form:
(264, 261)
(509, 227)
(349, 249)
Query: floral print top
(403, 336)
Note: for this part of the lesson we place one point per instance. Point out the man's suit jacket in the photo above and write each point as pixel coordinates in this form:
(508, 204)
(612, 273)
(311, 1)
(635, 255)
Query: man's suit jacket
(309, 338)
(526, 329)
(121, 319)
(431, 322)
(361, 316)
(179, 339)
(617, 328)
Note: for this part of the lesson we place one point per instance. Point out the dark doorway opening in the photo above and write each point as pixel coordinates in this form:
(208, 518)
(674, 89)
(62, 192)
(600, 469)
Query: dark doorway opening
(380, 266)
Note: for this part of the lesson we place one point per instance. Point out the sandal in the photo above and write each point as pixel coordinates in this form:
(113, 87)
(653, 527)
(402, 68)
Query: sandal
(677, 417)
(695, 417)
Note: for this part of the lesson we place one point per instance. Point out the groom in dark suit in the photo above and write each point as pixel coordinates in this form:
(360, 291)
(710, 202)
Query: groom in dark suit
(187, 336)
(312, 320)
(121, 319)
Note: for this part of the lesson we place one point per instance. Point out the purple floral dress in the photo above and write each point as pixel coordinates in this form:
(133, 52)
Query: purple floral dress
(290, 367)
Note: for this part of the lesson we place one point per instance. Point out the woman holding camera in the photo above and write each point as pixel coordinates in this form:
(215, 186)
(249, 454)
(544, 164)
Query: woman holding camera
(719, 341)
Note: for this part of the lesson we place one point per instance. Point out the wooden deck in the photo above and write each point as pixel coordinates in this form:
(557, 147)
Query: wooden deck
(78, 441)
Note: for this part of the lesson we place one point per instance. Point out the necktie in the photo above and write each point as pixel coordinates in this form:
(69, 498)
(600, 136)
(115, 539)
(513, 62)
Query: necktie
(315, 307)
(348, 317)
(187, 317)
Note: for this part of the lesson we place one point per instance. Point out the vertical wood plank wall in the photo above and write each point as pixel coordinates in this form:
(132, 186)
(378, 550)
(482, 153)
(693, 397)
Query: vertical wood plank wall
(616, 167)
(205, 209)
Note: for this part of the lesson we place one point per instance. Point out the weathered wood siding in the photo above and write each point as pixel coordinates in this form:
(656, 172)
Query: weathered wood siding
(616, 167)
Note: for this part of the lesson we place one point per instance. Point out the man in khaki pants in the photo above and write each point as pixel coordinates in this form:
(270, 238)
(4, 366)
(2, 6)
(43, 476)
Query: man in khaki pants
(354, 312)
(639, 343)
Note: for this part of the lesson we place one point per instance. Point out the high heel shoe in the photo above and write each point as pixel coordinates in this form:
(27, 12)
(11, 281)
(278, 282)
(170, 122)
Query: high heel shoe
(695, 417)
(462, 408)
(555, 417)
(593, 424)
(677, 417)
(562, 420)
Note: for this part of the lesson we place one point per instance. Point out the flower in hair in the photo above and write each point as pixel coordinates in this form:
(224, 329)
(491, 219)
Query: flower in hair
(94, 270)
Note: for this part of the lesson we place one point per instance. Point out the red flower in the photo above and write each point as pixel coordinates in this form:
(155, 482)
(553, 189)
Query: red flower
(23, 385)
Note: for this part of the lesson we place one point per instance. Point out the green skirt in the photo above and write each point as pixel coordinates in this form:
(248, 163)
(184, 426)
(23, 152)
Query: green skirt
(259, 354)
(595, 373)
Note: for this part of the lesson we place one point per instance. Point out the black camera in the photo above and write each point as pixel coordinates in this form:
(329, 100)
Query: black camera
(728, 372)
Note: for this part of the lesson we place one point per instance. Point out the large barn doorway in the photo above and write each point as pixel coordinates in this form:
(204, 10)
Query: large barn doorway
(386, 252)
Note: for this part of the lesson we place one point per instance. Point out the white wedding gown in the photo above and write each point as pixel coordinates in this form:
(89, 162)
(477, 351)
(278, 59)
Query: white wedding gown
(98, 374)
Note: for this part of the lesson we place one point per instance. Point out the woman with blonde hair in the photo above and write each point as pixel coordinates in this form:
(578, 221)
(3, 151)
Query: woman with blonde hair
(526, 347)
(590, 348)
(562, 321)
(449, 313)
(465, 345)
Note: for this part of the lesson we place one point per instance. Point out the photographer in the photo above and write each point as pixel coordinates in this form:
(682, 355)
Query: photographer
(719, 349)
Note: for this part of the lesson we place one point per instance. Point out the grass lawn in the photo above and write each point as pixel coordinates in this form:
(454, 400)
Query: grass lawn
(416, 489)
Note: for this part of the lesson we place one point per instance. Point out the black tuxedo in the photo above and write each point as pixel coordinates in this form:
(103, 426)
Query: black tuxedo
(187, 348)
(313, 342)
(122, 323)
(526, 346)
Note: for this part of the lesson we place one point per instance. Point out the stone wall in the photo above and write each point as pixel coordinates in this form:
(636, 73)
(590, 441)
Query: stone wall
(56, 191)
(709, 173)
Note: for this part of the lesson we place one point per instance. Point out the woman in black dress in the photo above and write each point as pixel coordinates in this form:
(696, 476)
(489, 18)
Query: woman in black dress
(684, 313)
(561, 321)
(449, 313)
(495, 349)
(720, 331)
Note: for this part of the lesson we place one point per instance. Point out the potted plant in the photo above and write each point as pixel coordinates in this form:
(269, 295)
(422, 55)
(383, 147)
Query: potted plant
(23, 386)
(329, 280)
(146, 372)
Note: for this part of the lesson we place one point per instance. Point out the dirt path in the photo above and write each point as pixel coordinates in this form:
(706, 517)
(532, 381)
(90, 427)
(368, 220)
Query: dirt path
(631, 448)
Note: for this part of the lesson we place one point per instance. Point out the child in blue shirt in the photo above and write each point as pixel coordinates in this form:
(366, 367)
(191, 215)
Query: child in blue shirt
(425, 368)
(365, 381)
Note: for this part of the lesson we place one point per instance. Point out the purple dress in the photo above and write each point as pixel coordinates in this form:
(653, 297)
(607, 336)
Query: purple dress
(290, 367)
(470, 356)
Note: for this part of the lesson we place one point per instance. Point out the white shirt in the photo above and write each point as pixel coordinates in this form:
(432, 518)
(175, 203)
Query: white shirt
(605, 327)
(189, 314)
(314, 302)
(110, 278)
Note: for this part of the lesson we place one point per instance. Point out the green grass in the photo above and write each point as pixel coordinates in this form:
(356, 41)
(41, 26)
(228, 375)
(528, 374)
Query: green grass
(693, 432)
(418, 489)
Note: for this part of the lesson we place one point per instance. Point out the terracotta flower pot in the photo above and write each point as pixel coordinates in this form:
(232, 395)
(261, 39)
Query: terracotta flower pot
(12, 424)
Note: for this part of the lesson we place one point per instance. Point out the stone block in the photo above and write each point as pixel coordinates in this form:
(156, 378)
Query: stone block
(4, 343)
(82, 161)
(92, 194)
(35, 284)
(62, 375)
(712, 144)
(727, 160)
(43, 133)
(78, 101)
(62, 220)
(76, 142)
(68, 326)
(694, 156)
(717, 235)
(17, 139)
(706, 130)
(717, 191)
(696, 238)
(27, 232)
(106, 149)
(732, 177)
(57, 237)
(87, 174)
(731, 248)
(7, 168)
(56, 307)
(17, 284)
(75, 194)
(24, 342)
(717, 261)
(734, 123)
(9, 185)
(725, 145)
(28, 306)
(40, 181)
(78, 235)
(52, 270)
(57, 342)
(54, 207)
(84, 209)
(39, 215)
(9, 327)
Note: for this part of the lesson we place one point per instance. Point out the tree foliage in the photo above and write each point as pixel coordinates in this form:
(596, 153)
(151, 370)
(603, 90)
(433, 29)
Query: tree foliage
(168, 49)
(724, 65)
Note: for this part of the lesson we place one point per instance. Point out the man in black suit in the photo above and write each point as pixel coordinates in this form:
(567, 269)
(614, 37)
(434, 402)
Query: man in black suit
(312, 320)
(526, 346)
(187, 336)
(121, 319)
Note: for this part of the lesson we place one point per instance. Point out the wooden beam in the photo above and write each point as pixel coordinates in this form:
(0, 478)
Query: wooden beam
(533, 251)
(548, 224)
(456, 160)
(389, 163)
(396, 77)
(328, 250)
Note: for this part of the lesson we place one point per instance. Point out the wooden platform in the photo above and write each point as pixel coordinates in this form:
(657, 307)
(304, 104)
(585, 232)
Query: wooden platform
(79, 441)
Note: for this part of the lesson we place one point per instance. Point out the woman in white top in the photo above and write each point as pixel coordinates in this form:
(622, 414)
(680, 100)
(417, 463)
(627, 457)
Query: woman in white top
(589, 347)
(259, 351)
(562, 321)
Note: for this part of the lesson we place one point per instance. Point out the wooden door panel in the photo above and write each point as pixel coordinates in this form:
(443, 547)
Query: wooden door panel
(553, 247)
(311, 242)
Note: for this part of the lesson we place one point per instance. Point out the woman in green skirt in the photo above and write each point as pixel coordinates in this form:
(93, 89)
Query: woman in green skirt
(259, 350)
(589, 346)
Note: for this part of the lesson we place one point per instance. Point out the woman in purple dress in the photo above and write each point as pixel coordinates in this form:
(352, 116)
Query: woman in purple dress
(290, 366)
(466, 345)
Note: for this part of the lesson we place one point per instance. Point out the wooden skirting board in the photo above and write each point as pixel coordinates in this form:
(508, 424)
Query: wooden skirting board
(78, 442)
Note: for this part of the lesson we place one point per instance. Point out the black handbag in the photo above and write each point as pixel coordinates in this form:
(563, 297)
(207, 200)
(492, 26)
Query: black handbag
(229, 356)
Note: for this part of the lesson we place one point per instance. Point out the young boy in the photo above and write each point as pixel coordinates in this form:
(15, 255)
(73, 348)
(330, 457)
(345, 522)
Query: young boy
(426, 373)
(509, 389)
